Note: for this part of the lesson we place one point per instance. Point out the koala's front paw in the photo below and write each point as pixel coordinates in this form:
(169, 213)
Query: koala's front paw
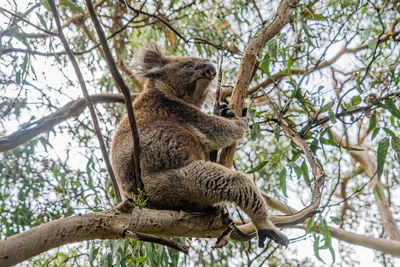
(226, 112)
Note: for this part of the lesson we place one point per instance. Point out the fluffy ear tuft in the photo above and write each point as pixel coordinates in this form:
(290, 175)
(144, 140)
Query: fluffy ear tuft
(148, 60)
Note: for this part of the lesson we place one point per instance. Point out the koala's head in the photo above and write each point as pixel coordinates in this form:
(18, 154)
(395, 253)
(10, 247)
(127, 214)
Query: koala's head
(188, 77)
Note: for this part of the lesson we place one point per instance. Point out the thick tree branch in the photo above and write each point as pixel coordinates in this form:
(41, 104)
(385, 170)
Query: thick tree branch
(114, 224)
(111, 224)
(69, 110)
(248, 63)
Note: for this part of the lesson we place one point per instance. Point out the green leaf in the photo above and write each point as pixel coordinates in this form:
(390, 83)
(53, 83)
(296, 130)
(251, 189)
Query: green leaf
(316, 249)
(372, 44)
(374, 133)
(61, 255)
(336, 220)
(258, 167)
(265, 66)
(92, 255)
(55, 172)
(41, 19)
(377, 192)
(277, 130)
(326, 107)
(389, 132)
(372, 122)
(332, 117)
(326, 234)
(289, 64)
(304, 169)
(355, 100)
(18, 77)
(310, 225)
(140, 259)
(396, 146)
(62, 183)
(296, 169)
(73, 6)
(389, 105)
(282, 181)
(383, 146)
(349, 148)
(46, 5)
(255, 131)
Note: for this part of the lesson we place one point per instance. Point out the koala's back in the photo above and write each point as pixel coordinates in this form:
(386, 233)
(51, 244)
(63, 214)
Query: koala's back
(165, 139)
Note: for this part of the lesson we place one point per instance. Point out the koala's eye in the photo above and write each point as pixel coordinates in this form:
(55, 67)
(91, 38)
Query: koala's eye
(188, 64)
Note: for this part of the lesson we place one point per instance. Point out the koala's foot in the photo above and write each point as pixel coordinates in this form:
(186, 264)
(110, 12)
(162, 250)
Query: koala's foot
(275, 235)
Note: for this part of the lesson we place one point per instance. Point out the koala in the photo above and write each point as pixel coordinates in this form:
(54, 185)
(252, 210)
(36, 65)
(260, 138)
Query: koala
(175, 138)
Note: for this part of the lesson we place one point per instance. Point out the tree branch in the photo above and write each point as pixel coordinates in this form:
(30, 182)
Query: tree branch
(114, 224)
(126, 92)
(248, 63)
(309, 69)
(110, 224)
(69, 110)
(87, 98)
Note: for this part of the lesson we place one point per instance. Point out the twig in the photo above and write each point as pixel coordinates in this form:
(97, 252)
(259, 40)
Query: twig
(87, 98)
(14, 22)
(124, 89)
(28, 22)
(162, 241)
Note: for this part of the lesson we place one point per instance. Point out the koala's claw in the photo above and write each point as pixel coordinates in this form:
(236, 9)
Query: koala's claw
(244, 112)
(223, 106)
(279, 238)
(227, 113)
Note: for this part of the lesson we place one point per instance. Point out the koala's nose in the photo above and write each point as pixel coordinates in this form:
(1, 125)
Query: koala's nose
(209, 70)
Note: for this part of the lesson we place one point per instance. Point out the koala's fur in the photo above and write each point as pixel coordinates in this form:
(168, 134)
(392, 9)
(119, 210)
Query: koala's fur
(175, 137)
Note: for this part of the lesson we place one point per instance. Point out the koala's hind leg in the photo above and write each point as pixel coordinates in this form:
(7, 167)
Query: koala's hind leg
(201, 184)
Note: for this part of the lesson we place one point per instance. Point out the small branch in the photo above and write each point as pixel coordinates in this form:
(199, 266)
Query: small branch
(162, 241)
(69, 110)
(126, 92)
(27, 21)
(14, 22)
(166, 23)
(318, 173)
(87, 98)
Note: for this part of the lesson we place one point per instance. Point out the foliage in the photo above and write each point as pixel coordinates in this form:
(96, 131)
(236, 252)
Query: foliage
(333, 73)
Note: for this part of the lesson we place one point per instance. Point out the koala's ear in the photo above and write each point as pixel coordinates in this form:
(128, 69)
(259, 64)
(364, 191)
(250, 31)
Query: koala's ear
(149, 60)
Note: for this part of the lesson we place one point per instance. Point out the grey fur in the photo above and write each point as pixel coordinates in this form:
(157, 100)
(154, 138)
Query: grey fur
(175, 137)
